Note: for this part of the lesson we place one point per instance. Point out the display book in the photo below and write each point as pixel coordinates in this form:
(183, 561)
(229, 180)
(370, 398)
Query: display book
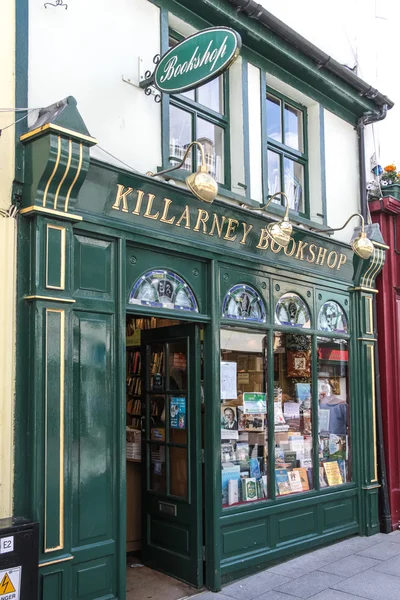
(244, 448)
(293, 440)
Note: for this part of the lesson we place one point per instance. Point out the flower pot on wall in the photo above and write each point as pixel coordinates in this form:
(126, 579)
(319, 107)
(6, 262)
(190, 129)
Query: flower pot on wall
(392, 190)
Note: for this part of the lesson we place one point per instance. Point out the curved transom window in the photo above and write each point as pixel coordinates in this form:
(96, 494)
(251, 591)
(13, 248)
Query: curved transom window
(331, 317)
(164, 289)
(291, 310)
(242, 302)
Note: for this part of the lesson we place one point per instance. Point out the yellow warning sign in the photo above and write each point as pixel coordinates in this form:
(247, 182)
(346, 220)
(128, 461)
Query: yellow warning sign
(10, 583)
(6, 586)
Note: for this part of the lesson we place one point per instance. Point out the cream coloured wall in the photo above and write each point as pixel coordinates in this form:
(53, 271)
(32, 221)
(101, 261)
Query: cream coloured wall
(342, 180)
(7, 253)
(84, 52)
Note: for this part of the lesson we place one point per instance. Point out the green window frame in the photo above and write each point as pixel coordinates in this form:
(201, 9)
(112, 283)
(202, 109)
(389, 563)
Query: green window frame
(288, 161)
(197, 114)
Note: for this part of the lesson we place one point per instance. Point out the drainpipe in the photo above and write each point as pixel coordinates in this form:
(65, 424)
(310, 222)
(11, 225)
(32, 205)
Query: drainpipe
(386, 520)
(366, 119)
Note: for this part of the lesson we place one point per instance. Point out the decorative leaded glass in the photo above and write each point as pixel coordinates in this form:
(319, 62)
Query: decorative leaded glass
(291, 310)
(242, 302)
(164, 289)
(331, 317)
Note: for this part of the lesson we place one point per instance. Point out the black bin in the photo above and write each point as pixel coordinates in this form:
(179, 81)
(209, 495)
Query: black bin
(19, 556)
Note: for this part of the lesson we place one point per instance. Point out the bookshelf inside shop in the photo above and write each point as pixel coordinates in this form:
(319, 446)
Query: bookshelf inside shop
(135, 411)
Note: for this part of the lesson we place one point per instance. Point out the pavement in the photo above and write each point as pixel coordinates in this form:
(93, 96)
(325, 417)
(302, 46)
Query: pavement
(358, 568)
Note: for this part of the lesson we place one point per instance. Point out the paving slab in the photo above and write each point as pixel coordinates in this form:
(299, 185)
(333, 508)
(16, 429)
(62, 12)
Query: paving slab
(391, 566)
(371, 585)
(351, 565)
(335, 595)
(251, 587)
(310, 584)
(381, 551)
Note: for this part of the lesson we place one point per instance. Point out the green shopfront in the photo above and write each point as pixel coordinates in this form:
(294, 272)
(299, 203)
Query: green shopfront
(255, 418)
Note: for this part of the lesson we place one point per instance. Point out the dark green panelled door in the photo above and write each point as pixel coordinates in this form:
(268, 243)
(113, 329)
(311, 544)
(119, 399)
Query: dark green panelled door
(172, 512)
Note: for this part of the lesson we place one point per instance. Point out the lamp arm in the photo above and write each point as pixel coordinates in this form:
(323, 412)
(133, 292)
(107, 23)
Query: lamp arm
(203, 160)
(343, 226)
(264, 206)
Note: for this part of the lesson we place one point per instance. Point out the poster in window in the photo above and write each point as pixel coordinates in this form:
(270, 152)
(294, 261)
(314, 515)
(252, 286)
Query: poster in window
(177, 413)
(299, 363)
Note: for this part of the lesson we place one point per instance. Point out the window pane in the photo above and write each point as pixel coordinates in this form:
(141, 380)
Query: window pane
(274, 175)
(274, 121)
(212, 138)
(157, 481)
(211, 95)
(180, 136)
(178, 472)
(294, 184)
(293, 128)
(335, 462)
(292, 414)
(244, 434)
(292, 311)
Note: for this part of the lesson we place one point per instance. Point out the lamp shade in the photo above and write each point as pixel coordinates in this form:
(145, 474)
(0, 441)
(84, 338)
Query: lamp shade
(202, 185)
(362, 245)
(280, 232)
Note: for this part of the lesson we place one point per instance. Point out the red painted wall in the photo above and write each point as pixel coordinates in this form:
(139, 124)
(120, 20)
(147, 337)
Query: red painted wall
(386, 212)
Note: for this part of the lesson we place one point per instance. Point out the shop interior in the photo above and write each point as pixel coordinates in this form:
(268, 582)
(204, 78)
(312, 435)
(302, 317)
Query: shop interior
(152, 584)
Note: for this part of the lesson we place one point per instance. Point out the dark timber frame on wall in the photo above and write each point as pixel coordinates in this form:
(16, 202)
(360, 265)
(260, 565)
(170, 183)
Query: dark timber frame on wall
(81, 247)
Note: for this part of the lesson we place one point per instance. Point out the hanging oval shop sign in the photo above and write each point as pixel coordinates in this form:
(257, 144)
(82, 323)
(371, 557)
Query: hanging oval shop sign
(197, 59)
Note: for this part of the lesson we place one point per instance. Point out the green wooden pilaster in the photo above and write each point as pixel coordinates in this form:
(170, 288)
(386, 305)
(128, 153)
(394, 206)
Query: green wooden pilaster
(57, 161)
(365, 383)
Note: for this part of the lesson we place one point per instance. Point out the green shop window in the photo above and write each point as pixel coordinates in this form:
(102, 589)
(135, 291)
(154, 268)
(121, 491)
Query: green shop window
(202, 115)
(285, 426)
(287, 157)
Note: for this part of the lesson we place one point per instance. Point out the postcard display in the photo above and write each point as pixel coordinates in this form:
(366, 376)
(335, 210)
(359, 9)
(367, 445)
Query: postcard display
(244, 425)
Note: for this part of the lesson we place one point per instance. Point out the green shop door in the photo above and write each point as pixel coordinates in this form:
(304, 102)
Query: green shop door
(172, 511)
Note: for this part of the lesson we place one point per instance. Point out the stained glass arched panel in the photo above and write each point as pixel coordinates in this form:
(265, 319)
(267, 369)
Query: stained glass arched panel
(164, 289)
(291, 310)
(242, 302)
(331, 317)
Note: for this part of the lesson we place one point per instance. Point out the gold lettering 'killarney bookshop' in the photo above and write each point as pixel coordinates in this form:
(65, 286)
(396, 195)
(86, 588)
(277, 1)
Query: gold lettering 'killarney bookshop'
(199, 220)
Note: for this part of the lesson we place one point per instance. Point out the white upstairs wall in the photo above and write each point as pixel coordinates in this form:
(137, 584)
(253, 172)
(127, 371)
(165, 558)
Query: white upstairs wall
(84, 52)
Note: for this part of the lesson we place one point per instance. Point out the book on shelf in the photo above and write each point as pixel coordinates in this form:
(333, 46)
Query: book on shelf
(290, 458)
(229, 473)
(303, 477)
(332, 473)
(233, 491)
(295, 481)
(249, 489)
(322, 480)
(306, 463)
(343, 469)
(282, 482)
(254, 468)
(264, 483)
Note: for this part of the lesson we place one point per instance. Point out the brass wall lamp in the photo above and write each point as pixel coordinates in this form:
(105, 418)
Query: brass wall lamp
(361, 245)
(281, 231)
(202, 184)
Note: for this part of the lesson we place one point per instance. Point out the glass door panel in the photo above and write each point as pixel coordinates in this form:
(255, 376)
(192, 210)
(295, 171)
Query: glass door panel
(172, 513)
